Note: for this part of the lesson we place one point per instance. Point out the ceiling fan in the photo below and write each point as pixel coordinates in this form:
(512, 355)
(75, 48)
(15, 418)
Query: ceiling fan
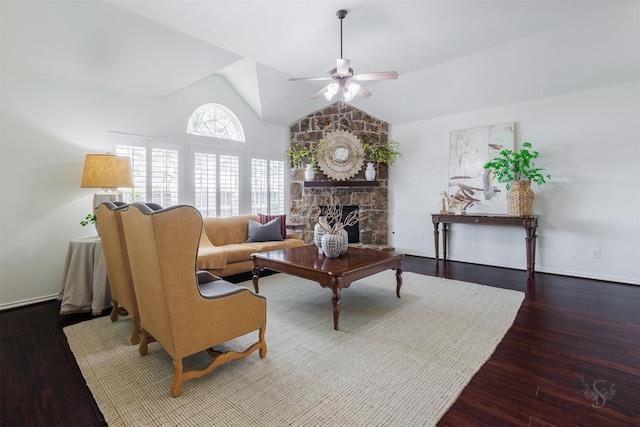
(344, 81)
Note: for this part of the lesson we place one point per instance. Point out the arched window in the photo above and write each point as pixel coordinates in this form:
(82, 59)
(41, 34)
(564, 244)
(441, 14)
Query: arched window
(217, 121)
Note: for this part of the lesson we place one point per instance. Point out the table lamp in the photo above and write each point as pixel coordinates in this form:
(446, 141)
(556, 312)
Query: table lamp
(107, 172)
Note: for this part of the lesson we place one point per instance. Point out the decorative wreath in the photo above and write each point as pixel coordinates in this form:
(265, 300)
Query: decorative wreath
(340, 155)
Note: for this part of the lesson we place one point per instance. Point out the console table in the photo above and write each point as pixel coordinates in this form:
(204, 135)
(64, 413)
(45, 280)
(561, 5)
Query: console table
(529, 223)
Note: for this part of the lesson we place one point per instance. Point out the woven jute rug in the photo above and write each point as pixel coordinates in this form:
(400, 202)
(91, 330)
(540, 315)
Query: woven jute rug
(394, 361)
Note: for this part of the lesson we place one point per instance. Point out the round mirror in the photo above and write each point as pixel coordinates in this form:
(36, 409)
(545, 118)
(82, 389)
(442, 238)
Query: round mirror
(340, 154)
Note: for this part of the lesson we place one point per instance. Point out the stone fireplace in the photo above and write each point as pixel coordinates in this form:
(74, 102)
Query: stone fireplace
(369, 196)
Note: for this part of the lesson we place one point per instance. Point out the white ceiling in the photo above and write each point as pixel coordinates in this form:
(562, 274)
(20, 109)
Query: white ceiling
(155, 48)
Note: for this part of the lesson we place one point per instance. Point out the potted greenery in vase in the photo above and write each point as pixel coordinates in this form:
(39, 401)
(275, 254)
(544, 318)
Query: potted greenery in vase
(387, 152)
(300, 155)
(517, 170)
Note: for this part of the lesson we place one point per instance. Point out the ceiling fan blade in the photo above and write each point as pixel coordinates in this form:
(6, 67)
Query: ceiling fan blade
(384, 75)
(364, 93)
(342, 66)
(293, 79)
(321, 92)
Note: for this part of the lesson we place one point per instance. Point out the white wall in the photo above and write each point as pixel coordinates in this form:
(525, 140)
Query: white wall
(48, 126)
(590, 144)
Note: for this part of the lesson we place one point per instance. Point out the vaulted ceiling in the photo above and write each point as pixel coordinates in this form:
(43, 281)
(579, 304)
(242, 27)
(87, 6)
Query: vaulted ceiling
(452, 56)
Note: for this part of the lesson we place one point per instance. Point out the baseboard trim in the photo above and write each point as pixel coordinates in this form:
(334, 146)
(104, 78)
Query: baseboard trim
(29, 301)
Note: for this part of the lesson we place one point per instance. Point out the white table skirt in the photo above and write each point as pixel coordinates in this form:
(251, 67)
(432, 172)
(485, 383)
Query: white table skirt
(85, 287)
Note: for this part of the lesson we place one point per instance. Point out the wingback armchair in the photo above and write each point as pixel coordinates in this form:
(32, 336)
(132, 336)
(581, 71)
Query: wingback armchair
(185, 314)
(117, 262)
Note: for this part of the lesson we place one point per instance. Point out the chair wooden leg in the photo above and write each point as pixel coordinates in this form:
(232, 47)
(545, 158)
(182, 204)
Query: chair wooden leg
(114, 311)
(176, 384)
(135, 332)
(142, 347)
(263, 343)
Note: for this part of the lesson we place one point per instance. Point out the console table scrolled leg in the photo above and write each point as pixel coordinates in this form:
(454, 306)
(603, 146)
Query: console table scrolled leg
(445, 237)
(436, 237)
(531, 248)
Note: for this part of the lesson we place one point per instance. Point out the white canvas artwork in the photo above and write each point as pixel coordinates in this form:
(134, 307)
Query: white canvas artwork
(471, 184)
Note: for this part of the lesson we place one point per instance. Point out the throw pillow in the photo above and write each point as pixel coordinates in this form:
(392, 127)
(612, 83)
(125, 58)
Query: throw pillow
(264, 233)
(283, 222)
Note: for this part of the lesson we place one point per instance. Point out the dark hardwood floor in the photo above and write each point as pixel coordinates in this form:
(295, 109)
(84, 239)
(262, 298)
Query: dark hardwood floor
(570, 334)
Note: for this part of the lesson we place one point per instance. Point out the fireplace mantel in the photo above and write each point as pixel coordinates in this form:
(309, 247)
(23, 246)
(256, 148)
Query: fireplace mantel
(331, 183)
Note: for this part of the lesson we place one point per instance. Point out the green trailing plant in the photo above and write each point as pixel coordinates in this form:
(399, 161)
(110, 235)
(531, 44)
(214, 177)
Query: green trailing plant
(510, 166)
(386, 152)
(89, 219)
(300, 153)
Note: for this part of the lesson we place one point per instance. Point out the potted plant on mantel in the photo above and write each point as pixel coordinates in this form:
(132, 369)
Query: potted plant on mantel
(517, 170)
(300, 155)
(387, 152)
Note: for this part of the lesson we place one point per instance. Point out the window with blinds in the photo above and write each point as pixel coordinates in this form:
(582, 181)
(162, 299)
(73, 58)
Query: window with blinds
(164, 177)
(267, 186)
(229, 185)
(156, 173)
(205, 183)
(217, 181)
(138, 155)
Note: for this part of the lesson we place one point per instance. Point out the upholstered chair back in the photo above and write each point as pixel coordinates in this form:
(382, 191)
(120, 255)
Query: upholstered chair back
(183, 315)
(117, 262)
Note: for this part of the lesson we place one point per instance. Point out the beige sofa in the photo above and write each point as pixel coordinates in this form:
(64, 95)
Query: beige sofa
(224, 249)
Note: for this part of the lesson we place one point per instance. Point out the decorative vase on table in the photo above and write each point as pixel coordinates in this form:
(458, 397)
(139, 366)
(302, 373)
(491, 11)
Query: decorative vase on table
(318, 232)
(520, 198)
(309, 173)
(345, 240)
(333, 244)
(370, 172)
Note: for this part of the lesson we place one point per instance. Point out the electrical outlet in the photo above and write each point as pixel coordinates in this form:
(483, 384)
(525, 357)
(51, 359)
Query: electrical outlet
(595, 253)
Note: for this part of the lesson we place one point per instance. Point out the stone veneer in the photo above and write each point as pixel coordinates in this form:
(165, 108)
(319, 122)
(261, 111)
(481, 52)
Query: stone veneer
(373, 201)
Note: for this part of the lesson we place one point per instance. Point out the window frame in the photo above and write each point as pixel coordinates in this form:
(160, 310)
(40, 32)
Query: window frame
(227, 112)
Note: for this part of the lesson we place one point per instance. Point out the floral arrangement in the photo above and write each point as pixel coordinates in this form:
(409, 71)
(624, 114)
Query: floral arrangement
(386, 152)
(300, 153)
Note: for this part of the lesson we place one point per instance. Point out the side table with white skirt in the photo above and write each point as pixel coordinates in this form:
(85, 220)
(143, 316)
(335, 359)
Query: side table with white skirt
(85, 287)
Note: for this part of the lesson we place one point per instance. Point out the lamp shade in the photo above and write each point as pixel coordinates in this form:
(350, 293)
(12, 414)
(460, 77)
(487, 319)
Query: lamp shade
(106, 171)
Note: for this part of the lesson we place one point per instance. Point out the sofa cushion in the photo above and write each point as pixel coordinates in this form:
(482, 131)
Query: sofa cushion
(238, 252)
(272, 246)
(264, 218)
(211, 257)
(224, 231)
(264, 233)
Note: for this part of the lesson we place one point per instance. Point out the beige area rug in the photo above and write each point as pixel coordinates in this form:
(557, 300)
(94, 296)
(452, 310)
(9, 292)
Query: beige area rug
(394, 361)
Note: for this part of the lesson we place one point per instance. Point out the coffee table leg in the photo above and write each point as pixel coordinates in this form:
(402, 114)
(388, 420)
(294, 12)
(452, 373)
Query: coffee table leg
(256, 276)
(398, 281)
(336, 303)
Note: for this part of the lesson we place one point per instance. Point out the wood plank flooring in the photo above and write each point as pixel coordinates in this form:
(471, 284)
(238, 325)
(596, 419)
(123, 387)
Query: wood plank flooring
(570, 334)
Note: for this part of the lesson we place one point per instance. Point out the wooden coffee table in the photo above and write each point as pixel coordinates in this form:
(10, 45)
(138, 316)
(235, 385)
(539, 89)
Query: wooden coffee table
(334, 273)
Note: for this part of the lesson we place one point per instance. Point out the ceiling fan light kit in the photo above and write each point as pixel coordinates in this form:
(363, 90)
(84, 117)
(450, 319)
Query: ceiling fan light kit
(344, 81)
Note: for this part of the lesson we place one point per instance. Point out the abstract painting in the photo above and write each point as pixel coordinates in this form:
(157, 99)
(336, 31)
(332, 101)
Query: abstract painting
(470, 185)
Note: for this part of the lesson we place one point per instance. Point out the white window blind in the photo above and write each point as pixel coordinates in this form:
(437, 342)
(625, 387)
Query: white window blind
(259, 187)
(138, 155)
(205, 183)
(155, 168)
(165, 177)
(267, 186)
(229, 185)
